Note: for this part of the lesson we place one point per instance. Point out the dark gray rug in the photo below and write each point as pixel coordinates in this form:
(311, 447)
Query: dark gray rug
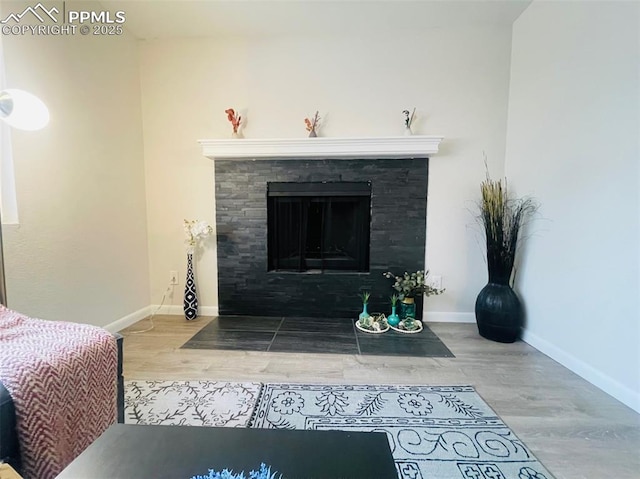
(312, 335)
(443, 432)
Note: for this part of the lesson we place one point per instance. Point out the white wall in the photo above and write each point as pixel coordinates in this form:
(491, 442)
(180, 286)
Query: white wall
(80, 251)
(572, 143)
(457, 80)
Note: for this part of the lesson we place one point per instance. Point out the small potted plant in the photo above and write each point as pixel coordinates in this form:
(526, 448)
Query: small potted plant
(408, 286)
(393, 318)
(365, 295)
(370, 323)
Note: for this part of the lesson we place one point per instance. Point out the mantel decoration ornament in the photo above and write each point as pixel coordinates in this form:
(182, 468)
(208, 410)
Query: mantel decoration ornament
(195, 231)
(408, 286)
(498, 309)
(235, 119)
(312, 124)
(408, 121)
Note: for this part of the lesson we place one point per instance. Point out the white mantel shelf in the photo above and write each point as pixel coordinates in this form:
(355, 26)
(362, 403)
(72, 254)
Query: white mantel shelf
(415, 146)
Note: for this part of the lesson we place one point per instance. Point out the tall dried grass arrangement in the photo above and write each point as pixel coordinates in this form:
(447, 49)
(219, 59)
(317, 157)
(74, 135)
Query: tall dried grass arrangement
(502, 218)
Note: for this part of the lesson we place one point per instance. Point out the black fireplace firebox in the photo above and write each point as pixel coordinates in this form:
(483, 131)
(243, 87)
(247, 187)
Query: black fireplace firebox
(318, 226)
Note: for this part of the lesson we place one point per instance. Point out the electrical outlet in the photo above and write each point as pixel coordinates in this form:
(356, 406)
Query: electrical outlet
(173, 277)
(436, 282)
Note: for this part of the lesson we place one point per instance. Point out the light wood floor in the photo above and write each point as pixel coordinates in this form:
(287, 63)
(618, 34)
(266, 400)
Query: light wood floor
(574, 429)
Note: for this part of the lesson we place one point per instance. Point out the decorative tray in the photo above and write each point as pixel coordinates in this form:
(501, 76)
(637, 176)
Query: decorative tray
(408, 331)
(372, 331)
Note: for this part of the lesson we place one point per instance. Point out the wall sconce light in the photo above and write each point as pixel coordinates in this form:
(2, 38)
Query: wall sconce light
(22, 110)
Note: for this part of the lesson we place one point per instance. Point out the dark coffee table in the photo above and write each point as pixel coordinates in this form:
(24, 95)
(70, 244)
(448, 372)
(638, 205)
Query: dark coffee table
(175, 452)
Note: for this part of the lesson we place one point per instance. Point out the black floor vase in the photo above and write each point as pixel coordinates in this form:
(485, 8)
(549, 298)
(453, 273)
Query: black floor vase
(499, 313)
(190, 295)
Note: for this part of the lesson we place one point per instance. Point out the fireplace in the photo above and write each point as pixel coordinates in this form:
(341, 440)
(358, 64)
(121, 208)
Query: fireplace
(364, 216)
(318, 226)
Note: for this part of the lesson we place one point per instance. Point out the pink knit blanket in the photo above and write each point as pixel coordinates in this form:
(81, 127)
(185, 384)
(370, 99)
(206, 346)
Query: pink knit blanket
(62, 378)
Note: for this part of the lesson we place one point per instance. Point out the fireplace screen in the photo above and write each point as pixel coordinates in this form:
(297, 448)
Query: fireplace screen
(318, 226)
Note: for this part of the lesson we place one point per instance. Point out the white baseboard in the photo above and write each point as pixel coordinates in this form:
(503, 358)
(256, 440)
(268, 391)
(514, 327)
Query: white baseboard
(128, 320)
(448, 317)
(594, 376)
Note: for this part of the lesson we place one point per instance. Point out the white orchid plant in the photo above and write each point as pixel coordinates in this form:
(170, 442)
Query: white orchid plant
(196, 231)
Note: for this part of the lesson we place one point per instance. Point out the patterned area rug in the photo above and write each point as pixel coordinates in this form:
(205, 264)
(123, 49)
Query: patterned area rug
(190, 403)
(444, 432)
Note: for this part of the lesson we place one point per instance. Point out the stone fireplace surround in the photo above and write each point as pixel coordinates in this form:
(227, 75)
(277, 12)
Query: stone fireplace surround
(398, 171)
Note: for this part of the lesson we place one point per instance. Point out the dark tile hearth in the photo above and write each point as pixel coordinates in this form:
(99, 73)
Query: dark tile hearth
(315, 325)
(243, 340)
(298, 342)
(312, 335)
